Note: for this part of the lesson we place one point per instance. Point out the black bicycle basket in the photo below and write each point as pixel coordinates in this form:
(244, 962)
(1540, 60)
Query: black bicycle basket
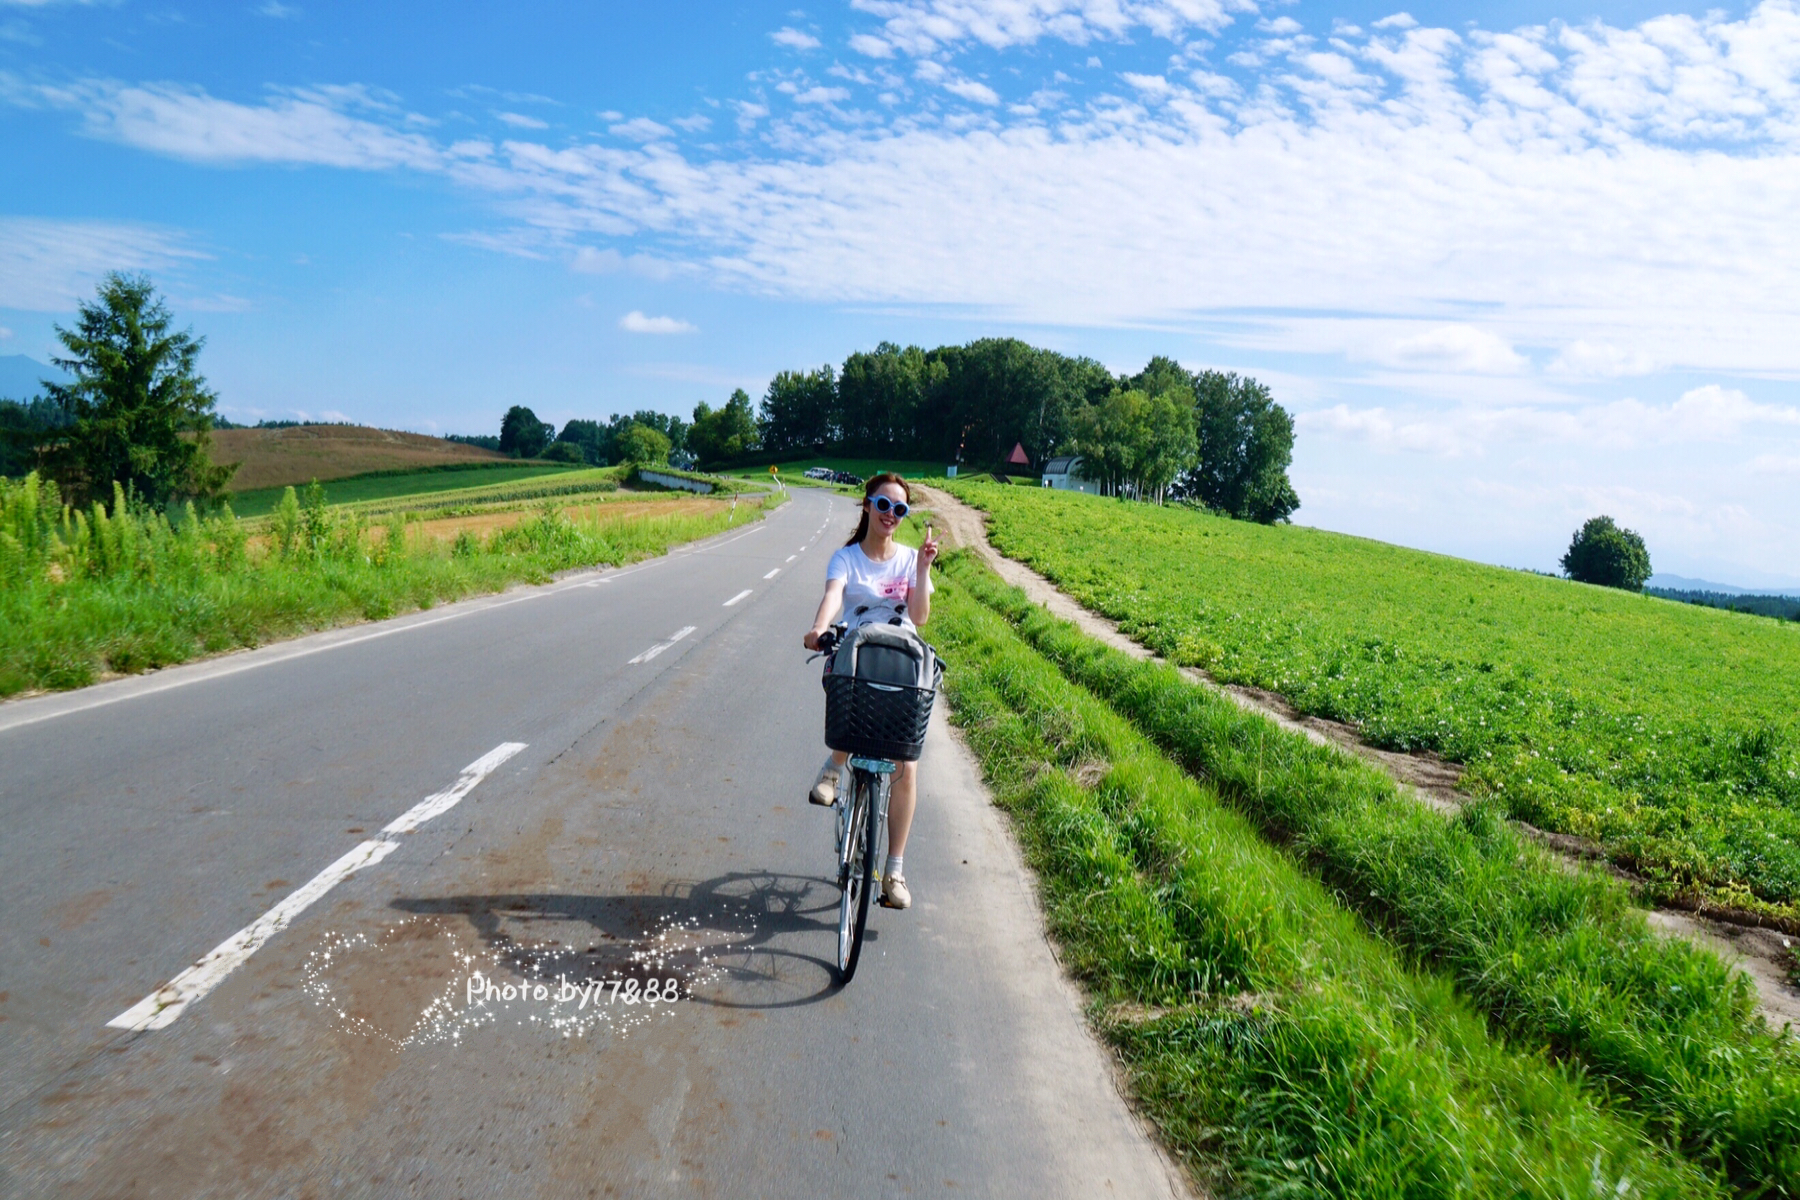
(878, 693)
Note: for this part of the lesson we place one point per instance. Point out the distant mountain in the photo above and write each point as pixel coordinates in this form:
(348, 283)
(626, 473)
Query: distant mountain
(1681, 583)
(20, 376)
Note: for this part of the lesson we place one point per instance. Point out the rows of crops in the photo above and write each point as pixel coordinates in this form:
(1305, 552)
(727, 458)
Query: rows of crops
(1666, 733)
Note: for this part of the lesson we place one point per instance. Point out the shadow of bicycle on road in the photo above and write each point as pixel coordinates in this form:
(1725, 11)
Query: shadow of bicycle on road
(734, 940)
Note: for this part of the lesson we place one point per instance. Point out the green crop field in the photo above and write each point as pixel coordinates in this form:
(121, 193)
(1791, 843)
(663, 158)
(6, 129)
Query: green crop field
(1665, 732)
(1287, 1048)
(388, 485)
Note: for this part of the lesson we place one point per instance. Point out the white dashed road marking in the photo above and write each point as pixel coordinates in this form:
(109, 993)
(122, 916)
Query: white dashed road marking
(160, 1008)
(773, 574)
(738, 597)
(657, 649)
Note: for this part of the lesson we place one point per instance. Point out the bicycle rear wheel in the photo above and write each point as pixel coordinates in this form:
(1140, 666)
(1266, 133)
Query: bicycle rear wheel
(856, 874)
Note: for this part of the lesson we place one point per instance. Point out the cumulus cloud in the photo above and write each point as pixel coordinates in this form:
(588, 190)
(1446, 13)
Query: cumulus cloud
(521, 121)
(328, 126)
(637, 322)
(973, 90)
(641, 129)
(1708, 414)
(921, 27)
(50, 266)
(794, 39)
(1612, 198)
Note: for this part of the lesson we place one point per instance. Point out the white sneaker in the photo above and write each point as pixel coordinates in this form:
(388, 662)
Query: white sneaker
(894, 893)
(824, 788)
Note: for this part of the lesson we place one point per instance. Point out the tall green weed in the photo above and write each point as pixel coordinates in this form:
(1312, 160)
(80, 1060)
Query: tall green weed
(121, 588)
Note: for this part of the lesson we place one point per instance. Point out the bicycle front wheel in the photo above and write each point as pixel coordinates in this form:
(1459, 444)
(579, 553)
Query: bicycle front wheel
(857, 875)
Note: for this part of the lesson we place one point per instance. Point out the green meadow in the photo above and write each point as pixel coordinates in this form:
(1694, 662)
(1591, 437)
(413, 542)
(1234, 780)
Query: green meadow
(1666, 733)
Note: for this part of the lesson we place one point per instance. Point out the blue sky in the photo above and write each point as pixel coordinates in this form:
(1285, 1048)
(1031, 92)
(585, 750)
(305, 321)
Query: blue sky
(1510, 264)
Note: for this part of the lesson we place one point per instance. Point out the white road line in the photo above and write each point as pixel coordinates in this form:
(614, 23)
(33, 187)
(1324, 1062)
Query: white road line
(773, 574)
(160, 1008)
(443, 802)
(792, 557)
(657, 649)
(738, 597)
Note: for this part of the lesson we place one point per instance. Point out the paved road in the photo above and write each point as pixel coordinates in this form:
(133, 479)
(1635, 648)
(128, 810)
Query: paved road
(652, 826)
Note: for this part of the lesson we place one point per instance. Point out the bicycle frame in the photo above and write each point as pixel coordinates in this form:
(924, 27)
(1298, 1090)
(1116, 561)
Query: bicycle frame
(857, 874)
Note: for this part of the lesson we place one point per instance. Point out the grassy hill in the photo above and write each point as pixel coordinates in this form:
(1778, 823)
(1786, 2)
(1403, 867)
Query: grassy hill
(1666, 732)
(273, 458)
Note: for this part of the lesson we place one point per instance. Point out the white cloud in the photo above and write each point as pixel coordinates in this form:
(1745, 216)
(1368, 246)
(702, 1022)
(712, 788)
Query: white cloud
(1280, 25)
(521, 121)
(1776, 464)
(1150, 85)
(1381, 429)
(696, 123)
(871, 46)
(970, 89)
(641, 129)
(794, 39)
(637, 322)
(276, 9)
(5, 334)
(311, 125)
(50, 266)
(921, 27)
(1709, 414)
(1481, 191)
(822, 95)
(1600, 359)
(1454, 348)
(1399, 20)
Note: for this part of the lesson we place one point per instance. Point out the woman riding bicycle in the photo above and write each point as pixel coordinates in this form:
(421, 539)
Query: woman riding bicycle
(874, 578)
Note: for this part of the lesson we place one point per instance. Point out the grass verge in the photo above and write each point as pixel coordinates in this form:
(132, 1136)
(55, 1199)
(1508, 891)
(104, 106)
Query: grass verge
(1282, 1049)
(1558, 960)
(123, 590)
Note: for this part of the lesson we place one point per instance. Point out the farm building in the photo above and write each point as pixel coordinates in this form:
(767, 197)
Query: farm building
(1064, 474)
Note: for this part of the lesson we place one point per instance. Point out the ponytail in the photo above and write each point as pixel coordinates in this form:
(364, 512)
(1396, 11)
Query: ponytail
(875, 481)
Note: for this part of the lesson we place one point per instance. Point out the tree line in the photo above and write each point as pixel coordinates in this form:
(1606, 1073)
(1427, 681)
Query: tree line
(1215, 437)
(138, 413)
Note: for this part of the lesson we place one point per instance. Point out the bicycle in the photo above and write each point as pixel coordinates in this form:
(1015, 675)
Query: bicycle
(862, 801)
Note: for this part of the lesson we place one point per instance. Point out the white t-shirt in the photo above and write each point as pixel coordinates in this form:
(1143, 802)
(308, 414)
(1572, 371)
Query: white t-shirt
(878, 588)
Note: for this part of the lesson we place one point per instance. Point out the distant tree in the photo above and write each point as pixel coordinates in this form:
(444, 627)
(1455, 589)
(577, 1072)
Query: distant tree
(642, 446)
(561, 451)
(1603, 553)
(137, 412)
(1246, 443)
(486, 441)
(800, 410)
(522, 435)
(1137, 440)
(24, 428)
(590, 437)
(721, 434)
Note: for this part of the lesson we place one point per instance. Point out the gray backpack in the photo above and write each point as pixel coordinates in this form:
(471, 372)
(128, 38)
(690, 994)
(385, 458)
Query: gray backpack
(879, 688)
